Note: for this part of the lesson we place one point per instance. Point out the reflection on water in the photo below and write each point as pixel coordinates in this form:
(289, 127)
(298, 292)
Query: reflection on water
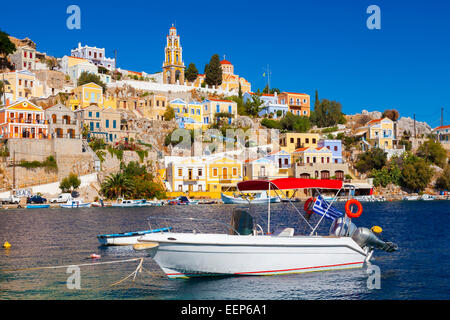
(45, 237)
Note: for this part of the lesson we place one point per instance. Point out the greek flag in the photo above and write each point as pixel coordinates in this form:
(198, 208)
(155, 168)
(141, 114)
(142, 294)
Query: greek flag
(323, 208)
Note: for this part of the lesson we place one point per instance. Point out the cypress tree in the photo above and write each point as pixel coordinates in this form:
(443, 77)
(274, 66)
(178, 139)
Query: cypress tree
(213, 72)
(191, 73)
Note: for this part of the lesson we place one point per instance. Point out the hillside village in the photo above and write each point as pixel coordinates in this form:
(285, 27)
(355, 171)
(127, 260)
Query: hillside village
(81, 114)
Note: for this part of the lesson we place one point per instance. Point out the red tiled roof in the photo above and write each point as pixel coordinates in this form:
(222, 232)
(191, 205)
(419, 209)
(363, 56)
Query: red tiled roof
(225, 62)
(374, 121)
(301, 94)
(441, 127)
(219, 100)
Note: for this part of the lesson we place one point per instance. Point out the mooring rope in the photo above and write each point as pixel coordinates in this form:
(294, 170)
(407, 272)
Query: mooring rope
(135, 272)
(71, 265)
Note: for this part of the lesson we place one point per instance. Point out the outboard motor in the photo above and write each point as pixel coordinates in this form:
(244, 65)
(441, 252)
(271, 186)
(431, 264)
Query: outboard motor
(242, 221)
(366, 238)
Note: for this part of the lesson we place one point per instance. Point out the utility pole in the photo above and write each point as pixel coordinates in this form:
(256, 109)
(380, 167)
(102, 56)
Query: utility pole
(115, 60)
(415, 135)
(442, 117)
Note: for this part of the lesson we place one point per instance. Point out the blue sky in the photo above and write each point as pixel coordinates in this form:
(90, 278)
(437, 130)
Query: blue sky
(309, 45)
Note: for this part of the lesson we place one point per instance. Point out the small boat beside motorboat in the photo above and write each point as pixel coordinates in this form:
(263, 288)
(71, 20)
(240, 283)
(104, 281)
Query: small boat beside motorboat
(75, 203)
(427, 197)
(182, 200)
(126, 238)
(124, 203)
(37, 206)
(260, 197)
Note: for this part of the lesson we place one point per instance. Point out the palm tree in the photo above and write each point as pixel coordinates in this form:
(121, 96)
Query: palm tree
(117, 185)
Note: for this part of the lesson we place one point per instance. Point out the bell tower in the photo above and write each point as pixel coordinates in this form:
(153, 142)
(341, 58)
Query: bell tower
(173, 66)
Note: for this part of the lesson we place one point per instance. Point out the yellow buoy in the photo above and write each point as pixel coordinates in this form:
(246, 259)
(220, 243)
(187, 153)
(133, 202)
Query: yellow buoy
(6, 245)
(376, 229)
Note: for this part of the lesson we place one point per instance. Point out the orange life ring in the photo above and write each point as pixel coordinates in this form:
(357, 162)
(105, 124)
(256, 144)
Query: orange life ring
(307, 204)
(349, 212)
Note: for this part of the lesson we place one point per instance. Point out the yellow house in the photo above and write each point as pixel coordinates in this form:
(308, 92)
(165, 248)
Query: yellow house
(21, 84)
(89, 94)
(291, 141)
(188, 115)
(85, 95)
(188, 175)
(312, 155)
(212, 107)
(378, 133)
(223, 173)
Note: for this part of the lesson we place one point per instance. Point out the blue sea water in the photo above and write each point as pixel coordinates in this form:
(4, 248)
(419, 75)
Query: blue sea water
(50, 237)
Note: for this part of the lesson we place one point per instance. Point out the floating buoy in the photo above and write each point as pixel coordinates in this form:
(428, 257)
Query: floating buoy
(6, 245)
(376, 229)
(95, 256)
(349, 212)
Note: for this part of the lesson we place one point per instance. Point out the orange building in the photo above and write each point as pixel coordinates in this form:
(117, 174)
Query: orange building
(299, 103)
(23, 119)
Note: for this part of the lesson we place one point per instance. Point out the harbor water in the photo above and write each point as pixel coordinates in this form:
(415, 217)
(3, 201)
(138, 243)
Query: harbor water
(60, 237)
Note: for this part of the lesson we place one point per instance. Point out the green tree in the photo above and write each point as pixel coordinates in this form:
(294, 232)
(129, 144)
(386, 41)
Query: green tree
(169, 114)
(372, 159)
(270, 123)
(213, 72)
(295, 123)
(70, 183)
(253, 105)
(191, 73)
(117, 185)
(416, 173)
(434, 152)
(87, 77)
(6, 46)
(327, 113)
(443, 181)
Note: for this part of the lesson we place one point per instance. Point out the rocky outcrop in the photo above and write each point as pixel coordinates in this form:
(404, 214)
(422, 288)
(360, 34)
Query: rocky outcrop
(407, 124)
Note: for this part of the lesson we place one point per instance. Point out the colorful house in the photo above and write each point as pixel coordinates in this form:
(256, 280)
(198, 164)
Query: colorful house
(442, 133)
(188, 175)
(378, 133)
(270, 104)
(188, 115)
(299, 103)
(312, 155)
(335, 146)
(262, 168)
(88, 94)
(23, 119)
(214, 107)
(22, 84)
(290, 141)
(223, 173)
(103, 123)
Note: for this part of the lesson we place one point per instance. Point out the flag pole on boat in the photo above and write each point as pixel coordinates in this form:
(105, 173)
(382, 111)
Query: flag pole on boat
(268, 215)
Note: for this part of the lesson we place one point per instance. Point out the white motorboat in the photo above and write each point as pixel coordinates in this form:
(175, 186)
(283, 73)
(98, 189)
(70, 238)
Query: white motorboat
(124, 203)
(260, 197)
(427, 197)
(248, 250)
(75, 203)
(411, 198)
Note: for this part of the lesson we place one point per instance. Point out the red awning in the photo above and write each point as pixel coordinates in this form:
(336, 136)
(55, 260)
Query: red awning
(288, 183)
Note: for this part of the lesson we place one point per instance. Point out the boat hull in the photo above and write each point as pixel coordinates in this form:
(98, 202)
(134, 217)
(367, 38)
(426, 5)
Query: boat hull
(192, 255)
(127, 238)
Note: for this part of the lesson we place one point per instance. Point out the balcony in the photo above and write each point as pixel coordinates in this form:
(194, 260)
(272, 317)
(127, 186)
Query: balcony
(27, 121)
